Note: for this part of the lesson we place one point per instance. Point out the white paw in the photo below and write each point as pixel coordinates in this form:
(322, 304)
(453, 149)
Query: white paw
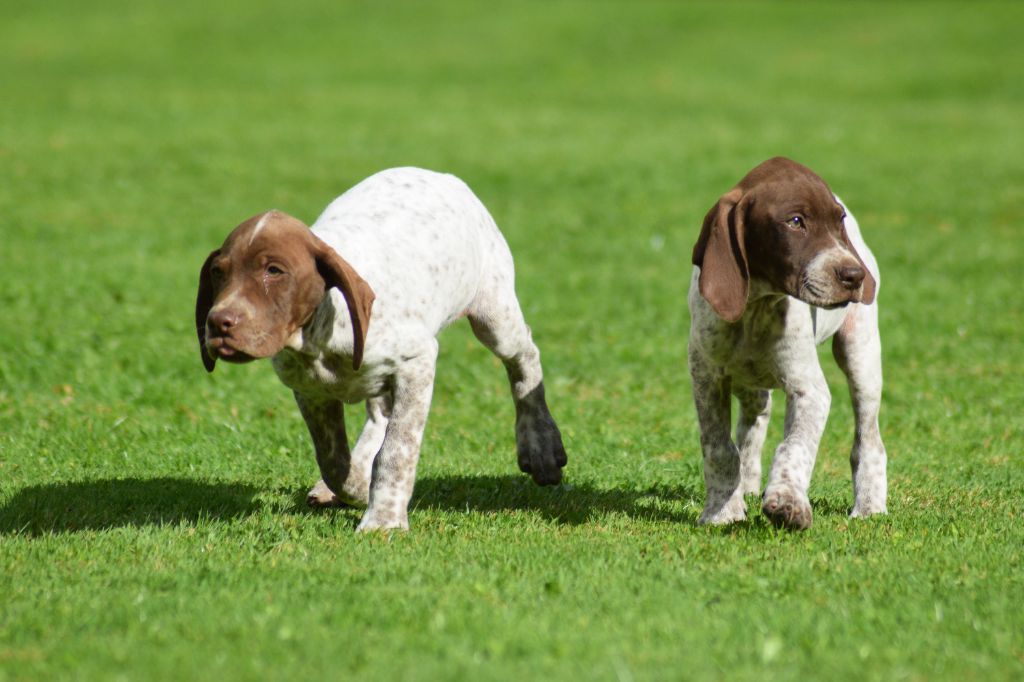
(863, 511)
(717, 514)
(372, 522)
(787, 507)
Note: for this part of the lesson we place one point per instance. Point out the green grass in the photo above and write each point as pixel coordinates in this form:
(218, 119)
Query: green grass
(152, 523)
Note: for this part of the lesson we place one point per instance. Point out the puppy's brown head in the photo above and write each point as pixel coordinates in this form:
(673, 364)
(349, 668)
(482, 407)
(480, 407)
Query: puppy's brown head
(781, 224)
(264, 284)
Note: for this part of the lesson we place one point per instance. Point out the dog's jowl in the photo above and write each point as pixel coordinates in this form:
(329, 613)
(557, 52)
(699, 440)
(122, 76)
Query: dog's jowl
(349, 311)
(780, 266)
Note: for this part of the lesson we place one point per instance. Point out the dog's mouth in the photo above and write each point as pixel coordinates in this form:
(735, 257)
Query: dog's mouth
(826, 303)
(820, 295)
(221, 348)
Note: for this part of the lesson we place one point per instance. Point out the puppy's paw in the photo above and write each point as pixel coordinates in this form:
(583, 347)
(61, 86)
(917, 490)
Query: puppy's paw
(321, 496)
(374, 520)
(723, 509)
(864, 510)
(787, 508)
(540, 450)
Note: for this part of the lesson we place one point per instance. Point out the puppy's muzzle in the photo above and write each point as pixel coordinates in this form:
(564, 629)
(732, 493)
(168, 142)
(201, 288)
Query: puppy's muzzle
(850, 277)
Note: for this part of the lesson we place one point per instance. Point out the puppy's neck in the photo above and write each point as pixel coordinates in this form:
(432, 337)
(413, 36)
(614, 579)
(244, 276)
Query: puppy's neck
(312, 338)
(762, 294)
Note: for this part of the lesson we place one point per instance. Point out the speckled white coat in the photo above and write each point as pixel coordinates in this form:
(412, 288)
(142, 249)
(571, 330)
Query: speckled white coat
(432, 254)
(773, 346)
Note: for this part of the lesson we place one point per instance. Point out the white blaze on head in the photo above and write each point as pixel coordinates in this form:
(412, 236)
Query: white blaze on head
(259, 226)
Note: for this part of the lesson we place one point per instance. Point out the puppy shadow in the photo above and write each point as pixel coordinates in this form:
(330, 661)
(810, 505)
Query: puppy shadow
(129, 502)
(571, 503)
(580, 503)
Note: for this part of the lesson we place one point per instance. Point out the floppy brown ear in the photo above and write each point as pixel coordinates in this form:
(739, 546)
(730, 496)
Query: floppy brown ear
(336, 272)
(721, 253)
(204, 301)
(868, 294)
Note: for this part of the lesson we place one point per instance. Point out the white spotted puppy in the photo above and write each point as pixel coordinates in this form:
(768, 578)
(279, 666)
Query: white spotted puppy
(349, 311)
(780, 267)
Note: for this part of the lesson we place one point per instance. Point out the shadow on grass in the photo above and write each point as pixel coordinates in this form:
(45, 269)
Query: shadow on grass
(583, 503)
(569, 504)
(135, 502)
(830, 506)
(99, 505)
(576, 503)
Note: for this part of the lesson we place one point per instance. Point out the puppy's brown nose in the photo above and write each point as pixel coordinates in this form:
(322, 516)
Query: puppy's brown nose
(223, 320)
(850, 276)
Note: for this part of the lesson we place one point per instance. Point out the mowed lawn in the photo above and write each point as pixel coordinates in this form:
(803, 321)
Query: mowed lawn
(152, 517)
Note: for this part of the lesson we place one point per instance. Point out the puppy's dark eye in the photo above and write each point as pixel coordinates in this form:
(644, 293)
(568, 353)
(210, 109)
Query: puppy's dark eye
(796, 223)
(274, 271)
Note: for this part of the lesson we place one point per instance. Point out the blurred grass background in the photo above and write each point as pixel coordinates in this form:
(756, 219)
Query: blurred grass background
(151, 517)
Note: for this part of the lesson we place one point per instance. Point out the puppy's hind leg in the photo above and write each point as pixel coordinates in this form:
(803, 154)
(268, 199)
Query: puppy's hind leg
(498, 322)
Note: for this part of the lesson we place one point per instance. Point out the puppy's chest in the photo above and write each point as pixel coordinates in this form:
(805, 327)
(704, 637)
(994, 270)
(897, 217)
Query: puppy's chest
(749, 351)
(330, 376)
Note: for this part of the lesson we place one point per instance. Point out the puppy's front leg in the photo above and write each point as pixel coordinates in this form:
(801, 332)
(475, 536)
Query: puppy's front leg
(724, 503)
(394, 468)
(858, 350)
(751, 428)
(785, 500)
(340, 481)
